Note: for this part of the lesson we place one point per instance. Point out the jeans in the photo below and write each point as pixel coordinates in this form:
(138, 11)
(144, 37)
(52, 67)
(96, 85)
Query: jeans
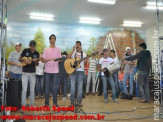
(143, 79)
(39, 85)
(77, 81)
(111, 81)
(121, 86)
(65, 79)
(93, 76)
(115, 77)
(31, 77)
(15, 76)
(51, 80)
(126, 76)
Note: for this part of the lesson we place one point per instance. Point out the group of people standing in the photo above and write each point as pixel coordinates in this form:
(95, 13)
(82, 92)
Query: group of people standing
(35, 68)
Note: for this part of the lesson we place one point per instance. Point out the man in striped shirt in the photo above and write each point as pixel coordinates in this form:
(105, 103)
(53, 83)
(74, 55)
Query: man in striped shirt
(92, 74)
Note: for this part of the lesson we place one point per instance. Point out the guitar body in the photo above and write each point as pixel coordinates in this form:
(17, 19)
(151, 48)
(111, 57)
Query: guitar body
(68, 64)
(26, 58)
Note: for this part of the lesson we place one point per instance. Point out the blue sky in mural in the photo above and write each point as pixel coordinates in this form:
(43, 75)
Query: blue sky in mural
(66, 35)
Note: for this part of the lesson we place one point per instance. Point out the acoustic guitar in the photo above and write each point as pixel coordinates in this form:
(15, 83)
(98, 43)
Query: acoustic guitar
(30, 60)
(72, 64)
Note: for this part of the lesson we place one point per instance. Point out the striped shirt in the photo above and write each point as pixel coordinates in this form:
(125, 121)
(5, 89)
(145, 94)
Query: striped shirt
(93, 64)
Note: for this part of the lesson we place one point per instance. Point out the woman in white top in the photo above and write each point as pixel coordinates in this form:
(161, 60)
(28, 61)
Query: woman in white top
(39, 79)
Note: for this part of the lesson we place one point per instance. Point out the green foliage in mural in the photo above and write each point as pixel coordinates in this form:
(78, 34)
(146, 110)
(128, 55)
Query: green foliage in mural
(40, 40)
(92, 45)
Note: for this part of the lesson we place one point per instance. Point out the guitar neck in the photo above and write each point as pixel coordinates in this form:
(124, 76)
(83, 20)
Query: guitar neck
(84, 58)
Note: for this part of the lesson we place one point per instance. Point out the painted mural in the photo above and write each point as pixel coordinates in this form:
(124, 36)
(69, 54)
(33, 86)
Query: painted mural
(92, 38)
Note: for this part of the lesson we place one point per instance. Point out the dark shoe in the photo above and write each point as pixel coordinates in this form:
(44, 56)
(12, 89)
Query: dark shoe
(71, 104)
(93, 94)
(99, 94)
(79, 104)
(130, 97)
(124, 96)
(83, 96)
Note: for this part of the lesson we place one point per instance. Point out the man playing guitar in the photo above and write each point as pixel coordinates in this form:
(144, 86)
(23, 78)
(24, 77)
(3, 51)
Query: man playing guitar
(78, 76)
(29, 71)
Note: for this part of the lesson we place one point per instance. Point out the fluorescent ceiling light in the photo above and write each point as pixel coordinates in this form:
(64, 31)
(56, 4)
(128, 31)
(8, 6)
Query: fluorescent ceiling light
(40, 16)
(89, 20)
(132, 23)
(153, 7)
(103, 1)
(153, 3)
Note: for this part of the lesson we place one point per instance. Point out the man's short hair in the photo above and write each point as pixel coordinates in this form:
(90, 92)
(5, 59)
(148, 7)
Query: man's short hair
(32, 43)
(143, 45)
(105, 50)
(78, 42)
(51, 36)
(112, 51)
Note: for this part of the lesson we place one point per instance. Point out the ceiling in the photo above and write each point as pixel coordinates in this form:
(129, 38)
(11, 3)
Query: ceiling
(69, 11)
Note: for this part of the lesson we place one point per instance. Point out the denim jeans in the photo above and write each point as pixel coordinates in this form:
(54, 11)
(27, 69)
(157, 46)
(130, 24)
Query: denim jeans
(111, 81)
(15, 76)
(39, 85)
(121, 86)
(51, 79)
(77, 81)
(31, 77)
(93, 76)
(126, 76)
(143, 79)
(115, 77)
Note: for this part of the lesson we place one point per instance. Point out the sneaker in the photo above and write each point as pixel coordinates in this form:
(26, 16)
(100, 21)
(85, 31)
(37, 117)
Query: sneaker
(71, 104)
(64, 98)
(115, 101)
(79, 104)
(42, 97)
(106, 101)
(55, 105)
(124, 96)
(68, 95)
(36, 97)
(130, 97)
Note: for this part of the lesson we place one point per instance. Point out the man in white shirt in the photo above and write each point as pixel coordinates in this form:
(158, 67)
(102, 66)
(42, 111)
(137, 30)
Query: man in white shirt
(104, 62)
(78, 76)
(115, 75)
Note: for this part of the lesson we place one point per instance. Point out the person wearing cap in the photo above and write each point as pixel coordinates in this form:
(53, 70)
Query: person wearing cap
(51, 55)
(29, 71)
(104, 62)
(15, 68)
(129, 73)
(144, 64)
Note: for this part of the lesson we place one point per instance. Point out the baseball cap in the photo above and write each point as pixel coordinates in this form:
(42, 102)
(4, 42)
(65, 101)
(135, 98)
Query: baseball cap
(17, 43)
(128, 48)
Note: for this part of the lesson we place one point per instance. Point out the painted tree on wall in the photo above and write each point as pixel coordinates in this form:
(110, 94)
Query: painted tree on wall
(92, 46)
(40, 40)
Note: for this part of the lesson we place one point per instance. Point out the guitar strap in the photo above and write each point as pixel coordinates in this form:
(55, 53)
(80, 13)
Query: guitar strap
(81, 54)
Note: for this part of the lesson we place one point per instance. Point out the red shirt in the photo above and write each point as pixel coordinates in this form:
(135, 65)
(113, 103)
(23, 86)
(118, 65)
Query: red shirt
(86, 67)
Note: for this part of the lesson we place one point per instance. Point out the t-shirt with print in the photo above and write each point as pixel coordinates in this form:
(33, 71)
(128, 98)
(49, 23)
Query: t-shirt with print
(129, 68)
(77, 54)
(105, 63)
(30, 68)
(51, 66)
